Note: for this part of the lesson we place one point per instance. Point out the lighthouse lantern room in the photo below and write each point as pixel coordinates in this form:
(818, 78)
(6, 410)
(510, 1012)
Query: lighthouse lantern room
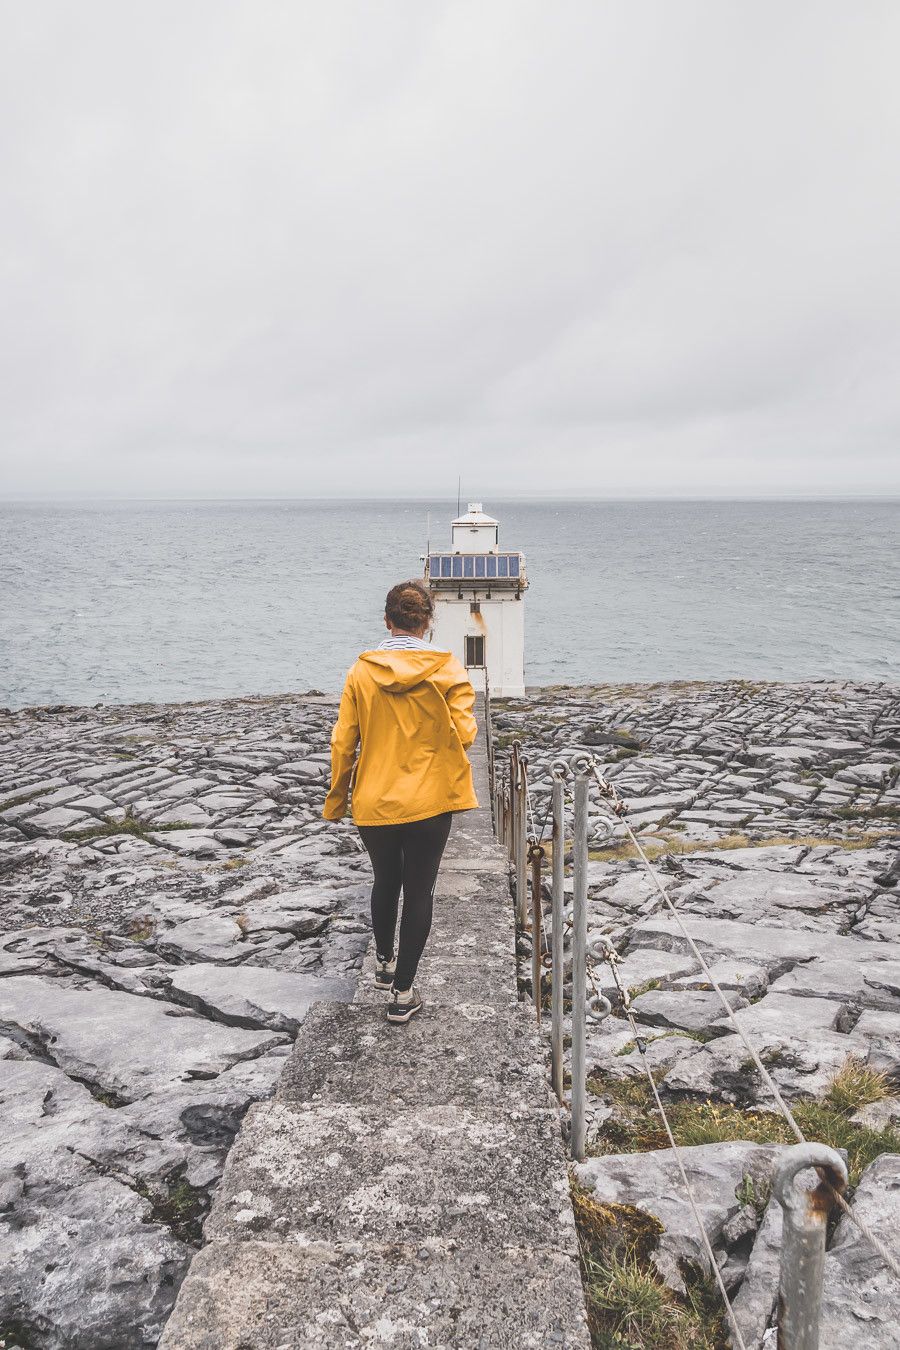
(479, 607)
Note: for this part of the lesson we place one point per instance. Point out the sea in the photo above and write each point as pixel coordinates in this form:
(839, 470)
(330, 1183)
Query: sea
(118, 602)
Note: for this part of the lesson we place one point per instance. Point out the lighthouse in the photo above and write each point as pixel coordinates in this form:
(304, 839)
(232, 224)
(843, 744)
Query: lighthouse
(479, 603)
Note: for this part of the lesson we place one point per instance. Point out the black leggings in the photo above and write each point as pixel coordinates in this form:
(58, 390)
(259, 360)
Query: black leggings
(405, 857)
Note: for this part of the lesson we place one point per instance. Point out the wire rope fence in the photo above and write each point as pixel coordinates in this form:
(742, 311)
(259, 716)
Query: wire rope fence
(561, 949)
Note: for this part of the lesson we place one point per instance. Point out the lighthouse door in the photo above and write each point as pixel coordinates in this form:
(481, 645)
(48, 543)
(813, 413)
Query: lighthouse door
(475, 651)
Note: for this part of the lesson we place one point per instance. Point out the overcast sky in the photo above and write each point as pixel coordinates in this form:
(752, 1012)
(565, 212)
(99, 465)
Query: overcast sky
(304, 247)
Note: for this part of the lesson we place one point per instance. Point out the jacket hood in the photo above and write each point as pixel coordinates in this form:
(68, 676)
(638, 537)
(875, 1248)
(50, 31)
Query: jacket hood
(396, 672)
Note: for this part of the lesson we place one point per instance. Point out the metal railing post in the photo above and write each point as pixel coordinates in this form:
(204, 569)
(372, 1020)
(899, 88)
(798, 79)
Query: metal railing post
(521, 845)
(579, 966)
(556, 936)
(488, 729)
(805, 1214)
(513, 799)
(536, 855)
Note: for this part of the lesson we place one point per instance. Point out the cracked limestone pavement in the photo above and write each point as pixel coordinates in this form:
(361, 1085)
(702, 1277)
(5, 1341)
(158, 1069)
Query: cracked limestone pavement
(773, 816)
(171, 904)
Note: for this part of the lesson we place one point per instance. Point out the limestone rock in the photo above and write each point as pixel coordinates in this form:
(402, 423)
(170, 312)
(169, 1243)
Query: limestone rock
(97, 1268)
(688, 1010)
(652, 1182)
(861, 1297)
(211, 937)
(786, 1017)
(754, 1303)
(252, 996)
(801, 1067)
(122, 1045)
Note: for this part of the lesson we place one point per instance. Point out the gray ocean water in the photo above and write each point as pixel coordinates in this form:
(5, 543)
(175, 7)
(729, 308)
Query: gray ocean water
(125, 601)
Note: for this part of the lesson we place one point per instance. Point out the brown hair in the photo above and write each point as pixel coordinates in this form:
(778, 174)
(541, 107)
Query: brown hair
(408, 606)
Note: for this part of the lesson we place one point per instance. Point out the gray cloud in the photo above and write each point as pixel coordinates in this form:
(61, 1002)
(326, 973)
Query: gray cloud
(623, 247)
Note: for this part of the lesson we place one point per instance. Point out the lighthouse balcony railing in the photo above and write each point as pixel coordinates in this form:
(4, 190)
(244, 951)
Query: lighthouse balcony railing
(493, 567)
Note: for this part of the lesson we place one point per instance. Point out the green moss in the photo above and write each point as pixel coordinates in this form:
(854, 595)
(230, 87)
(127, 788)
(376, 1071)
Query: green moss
(106, 1098)
(874, 812)
(140, 928)
(645, 988)
(702, 1036)
(180, 1206)
(138, 828)
(747, 1194)
(17, 1336)
(771, 1057)
(622, 752)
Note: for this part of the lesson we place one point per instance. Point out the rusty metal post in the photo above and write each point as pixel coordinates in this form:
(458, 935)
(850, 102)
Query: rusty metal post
(579, 967)
(536, 857)
(522, 844)
(556, 936)
(805, 1212)
(513, 799)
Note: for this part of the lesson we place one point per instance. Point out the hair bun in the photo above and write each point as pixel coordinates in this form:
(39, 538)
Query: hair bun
(408, 605)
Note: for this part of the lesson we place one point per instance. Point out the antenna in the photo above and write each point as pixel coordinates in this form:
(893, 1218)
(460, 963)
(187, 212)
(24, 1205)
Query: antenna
(458, 494)
(428, 534)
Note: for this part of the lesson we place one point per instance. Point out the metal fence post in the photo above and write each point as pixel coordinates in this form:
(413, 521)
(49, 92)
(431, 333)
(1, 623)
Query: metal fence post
(513, 800)
(805, 1213)
(521, 840)
(579, 966)
(556, 936)
(536, 855)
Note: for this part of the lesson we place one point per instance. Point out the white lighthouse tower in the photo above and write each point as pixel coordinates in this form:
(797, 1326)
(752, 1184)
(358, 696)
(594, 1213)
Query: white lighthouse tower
(479, 606)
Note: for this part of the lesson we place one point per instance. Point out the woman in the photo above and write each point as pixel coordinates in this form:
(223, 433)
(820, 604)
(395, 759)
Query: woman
(409, 708)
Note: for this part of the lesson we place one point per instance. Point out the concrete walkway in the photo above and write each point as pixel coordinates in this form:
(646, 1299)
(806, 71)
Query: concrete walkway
(406, 1187)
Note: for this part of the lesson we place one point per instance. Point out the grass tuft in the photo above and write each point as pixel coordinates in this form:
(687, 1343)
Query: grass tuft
(660, 847)
(23, 798)
(636, 1127)
(875, 812)
(856, 1086)
(138, 828)
(629, 1307)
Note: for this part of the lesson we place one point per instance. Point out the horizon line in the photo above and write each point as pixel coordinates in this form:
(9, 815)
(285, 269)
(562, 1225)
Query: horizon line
(85, 498)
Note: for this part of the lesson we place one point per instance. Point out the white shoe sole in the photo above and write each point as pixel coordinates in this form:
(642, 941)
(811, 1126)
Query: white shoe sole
(404, 1015)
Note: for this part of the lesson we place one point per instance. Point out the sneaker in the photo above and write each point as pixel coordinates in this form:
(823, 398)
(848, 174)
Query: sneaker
(404, 1006)
(384, 973)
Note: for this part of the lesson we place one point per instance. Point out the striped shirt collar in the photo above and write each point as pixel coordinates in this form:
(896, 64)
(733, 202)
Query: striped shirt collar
(405, 642)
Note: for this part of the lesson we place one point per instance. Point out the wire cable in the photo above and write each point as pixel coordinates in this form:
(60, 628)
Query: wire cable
(609, 794)
(639, 1041)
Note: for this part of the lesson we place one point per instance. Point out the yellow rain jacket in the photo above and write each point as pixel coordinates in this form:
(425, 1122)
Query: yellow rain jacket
(411, 714)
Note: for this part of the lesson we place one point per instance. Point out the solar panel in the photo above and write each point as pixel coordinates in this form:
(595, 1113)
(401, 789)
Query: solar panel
(474, 566)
